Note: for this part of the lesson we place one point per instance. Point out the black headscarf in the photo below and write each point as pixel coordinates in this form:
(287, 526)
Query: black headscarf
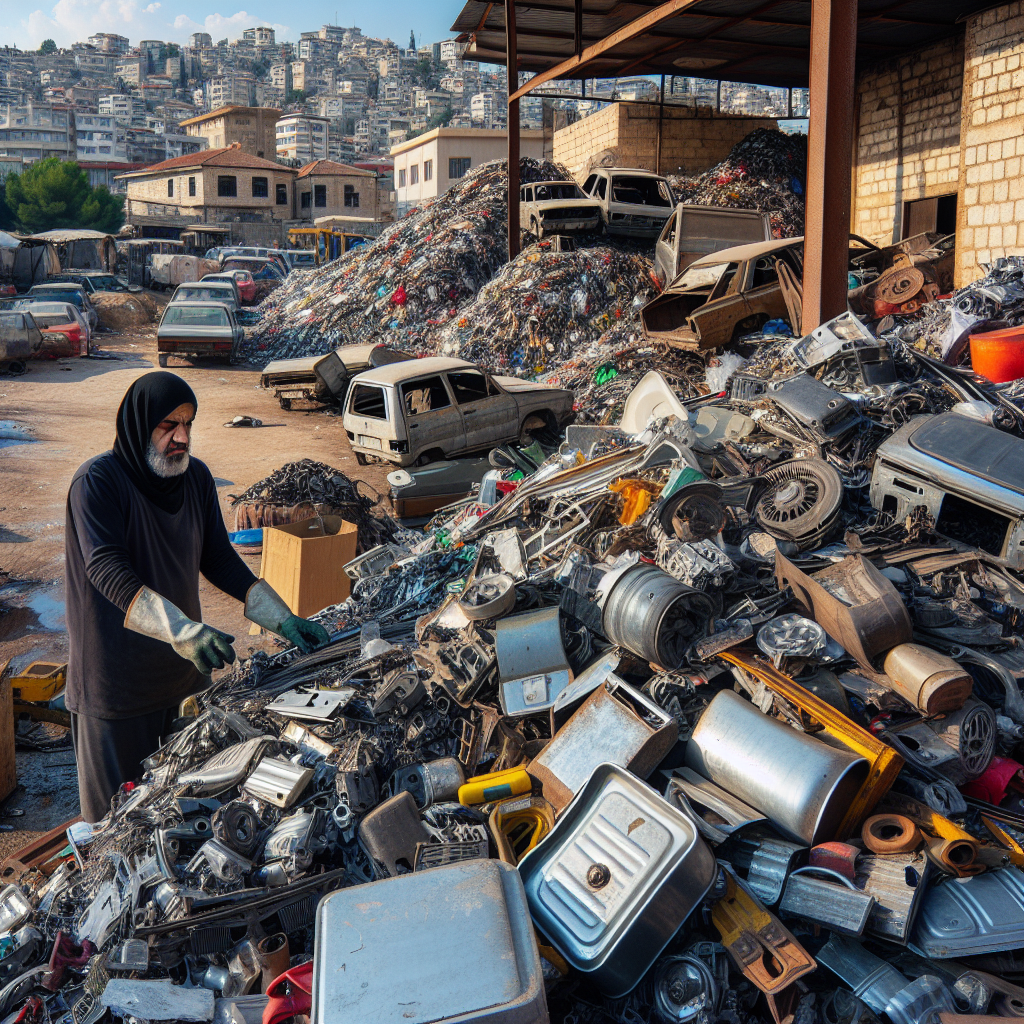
(149, 401)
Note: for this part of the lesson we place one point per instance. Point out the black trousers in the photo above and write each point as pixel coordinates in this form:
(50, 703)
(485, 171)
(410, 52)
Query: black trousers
(110, 752)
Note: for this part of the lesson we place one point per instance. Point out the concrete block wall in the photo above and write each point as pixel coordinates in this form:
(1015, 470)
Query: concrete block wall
(991, 199)
(691, 140)
(908, 136)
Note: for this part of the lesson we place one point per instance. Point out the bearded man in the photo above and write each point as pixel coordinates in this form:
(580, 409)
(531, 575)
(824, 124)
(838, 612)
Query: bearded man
(143, 522)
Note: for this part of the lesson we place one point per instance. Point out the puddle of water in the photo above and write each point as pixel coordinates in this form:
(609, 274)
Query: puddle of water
(24, 611)
(49, 610)
(12, 433)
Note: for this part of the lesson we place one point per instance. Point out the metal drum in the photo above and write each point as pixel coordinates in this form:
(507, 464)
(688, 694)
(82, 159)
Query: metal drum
(802, 784)
(654, 615)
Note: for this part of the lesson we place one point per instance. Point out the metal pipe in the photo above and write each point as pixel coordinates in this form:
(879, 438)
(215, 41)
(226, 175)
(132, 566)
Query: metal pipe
(829, 158)
(512, 128)
(661, 114)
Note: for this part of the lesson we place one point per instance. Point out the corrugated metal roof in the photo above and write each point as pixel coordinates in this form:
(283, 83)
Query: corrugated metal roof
(766, 42)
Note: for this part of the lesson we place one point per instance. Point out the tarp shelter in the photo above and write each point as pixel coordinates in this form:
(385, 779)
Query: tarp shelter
(25, 262)
(82, 249)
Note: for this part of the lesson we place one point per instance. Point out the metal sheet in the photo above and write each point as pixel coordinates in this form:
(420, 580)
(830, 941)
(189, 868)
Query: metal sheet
(616, 877)
(277, 781)
(459, 935)
(968, 916)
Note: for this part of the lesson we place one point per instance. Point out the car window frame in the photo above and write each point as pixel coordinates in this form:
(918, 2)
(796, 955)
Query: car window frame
(411, 384)
(490, 390)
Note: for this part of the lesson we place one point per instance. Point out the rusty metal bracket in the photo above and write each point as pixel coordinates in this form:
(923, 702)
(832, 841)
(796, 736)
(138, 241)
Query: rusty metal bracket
(885, 763)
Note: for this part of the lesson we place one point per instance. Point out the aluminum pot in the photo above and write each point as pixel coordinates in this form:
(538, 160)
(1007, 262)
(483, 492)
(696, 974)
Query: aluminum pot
(652, 614)
(801, 783)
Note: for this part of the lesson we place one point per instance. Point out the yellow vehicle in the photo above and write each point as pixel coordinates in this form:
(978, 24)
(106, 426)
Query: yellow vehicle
(39, 682)
(327, 243)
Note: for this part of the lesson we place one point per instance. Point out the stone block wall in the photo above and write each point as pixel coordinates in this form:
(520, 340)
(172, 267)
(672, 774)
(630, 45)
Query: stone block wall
(626, 134)
(908, 136)
(991, 199)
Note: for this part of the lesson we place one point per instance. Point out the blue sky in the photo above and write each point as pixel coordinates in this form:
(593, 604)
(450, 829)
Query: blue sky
(66, 21)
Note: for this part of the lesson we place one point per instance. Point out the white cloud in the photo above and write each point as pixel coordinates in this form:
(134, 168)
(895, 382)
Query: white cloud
(70, 21)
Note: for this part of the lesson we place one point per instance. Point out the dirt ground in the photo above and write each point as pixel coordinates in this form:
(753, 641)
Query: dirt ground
(68, 408)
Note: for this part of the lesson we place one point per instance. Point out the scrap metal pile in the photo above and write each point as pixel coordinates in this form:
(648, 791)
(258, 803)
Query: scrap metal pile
(766, 171)
(544, 307)
(716, 715)
(306, 488)
(412, 279)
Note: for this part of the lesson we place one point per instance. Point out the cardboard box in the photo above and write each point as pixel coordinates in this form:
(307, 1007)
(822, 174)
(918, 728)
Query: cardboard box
(303, 562)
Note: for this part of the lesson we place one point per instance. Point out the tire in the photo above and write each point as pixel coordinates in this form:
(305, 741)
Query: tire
(361, 459)
(162, 359)
(286, 403)
(535, 421)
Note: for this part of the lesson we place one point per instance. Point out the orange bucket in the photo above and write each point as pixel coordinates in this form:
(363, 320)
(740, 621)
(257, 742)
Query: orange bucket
(999, 355)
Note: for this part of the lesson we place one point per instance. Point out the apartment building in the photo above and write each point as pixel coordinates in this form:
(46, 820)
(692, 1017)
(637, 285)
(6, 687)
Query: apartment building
(35, 131)
(302, 137)
(430, 164)
(262, 35)
(109, 42)
(100, 138)
(251, 127)
(95, 62)
(125, 108)
(235, 89)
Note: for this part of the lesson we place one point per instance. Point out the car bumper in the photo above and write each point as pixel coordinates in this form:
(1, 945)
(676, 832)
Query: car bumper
(566, 227)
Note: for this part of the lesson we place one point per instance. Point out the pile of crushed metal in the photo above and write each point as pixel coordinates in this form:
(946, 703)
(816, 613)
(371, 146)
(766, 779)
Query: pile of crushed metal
(544, 306)
(766, 171)
(716, 712)
(406, 283)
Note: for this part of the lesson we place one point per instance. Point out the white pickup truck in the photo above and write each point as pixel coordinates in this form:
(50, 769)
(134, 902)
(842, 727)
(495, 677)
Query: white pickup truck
(425, 410)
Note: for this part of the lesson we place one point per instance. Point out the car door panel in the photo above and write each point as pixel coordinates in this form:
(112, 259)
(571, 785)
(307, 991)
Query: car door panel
(431, 425)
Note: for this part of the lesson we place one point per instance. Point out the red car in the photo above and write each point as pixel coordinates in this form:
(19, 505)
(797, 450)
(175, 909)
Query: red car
(65, 331)
(244, 283)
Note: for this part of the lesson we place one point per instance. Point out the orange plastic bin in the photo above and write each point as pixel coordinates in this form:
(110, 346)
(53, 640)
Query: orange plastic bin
(999, 355)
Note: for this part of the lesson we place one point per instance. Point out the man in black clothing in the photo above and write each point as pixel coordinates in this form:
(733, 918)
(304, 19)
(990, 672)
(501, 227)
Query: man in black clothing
(143, 521)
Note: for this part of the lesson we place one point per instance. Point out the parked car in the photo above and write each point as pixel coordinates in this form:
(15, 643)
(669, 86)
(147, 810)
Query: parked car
(426, 410)
(20, 339)
(94, 281)
(197, 329)
(207, 291)
(243, 282)
(73, 293)
(557, 208)
(227, 278)
(266, 273)
(325, 378)
(723, 295)
(695, 231)
(634, 203)
(300, 259)
(57, 319)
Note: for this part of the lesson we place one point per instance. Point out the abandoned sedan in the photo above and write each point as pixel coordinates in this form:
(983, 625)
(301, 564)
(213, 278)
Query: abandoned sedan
(425, 410)
(197, 329)
(634, 203)
(724, 295)
(557, 208)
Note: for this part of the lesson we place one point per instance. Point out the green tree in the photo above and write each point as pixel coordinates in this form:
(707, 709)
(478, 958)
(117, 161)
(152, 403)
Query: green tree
(47, 46)
(56, 194)
(295, 96)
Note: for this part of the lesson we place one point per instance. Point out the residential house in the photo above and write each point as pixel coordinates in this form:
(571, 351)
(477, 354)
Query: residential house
(302, 137)
(432, 163)
(34, 131)
(253, 128)
(326, 188)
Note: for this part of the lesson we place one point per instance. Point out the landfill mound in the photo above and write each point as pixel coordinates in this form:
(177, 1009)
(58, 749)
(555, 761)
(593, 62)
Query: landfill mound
(119, 311)
(766, 171)
(543, 306)
(301, 490)
(406, 283)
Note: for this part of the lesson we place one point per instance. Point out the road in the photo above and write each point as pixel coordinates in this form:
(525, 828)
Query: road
(68, 409)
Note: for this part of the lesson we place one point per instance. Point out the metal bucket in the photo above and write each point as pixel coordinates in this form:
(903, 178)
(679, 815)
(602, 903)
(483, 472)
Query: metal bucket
(654, 615)
(802, 784)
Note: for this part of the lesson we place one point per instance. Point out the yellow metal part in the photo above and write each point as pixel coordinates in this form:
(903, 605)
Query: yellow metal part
(38, 683)
(519, 824)
(761, 947)
(637, 496)
(1005, 840)
(482, 789)
(884, 762)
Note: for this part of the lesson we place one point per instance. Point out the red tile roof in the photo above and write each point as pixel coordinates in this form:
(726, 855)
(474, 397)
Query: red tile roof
(230, 156)
(332, 167)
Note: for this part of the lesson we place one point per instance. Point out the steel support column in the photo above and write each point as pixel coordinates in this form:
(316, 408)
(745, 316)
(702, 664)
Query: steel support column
(512, 122)
(829, 159)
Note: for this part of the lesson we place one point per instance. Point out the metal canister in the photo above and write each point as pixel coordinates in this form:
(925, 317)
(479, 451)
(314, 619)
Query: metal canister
(801, 783)
(652, 614)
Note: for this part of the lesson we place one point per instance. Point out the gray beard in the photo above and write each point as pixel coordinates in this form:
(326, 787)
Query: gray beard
(163, 466)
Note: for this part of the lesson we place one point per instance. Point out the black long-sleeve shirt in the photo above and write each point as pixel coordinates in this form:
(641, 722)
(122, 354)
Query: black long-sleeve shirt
(117, 541)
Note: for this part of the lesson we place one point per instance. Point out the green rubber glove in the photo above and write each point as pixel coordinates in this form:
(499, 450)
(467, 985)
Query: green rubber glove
(153, 615)
(306, 635)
